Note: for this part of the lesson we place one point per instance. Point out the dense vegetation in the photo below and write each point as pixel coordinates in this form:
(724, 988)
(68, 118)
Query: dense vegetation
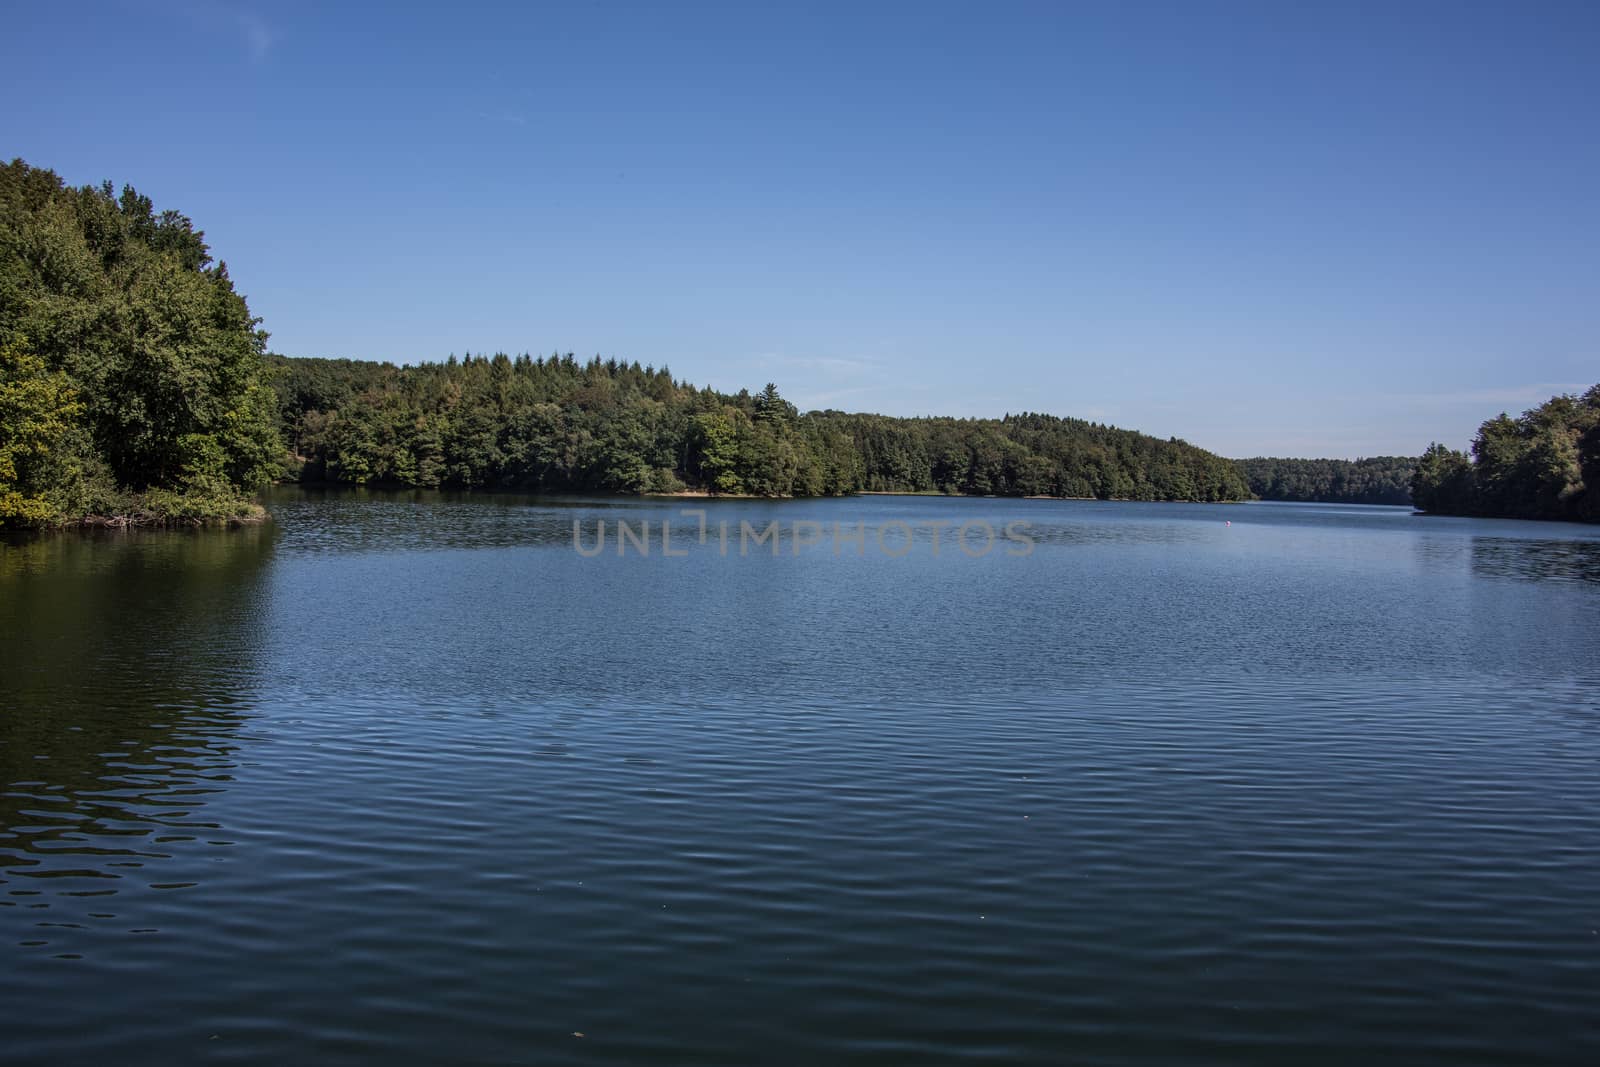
(132, 381)
(559, 424)
(134, 385)
(1378, 480)
(1544, 465)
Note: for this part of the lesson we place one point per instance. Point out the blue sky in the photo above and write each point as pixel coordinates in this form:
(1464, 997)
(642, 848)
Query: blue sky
(1268, 228)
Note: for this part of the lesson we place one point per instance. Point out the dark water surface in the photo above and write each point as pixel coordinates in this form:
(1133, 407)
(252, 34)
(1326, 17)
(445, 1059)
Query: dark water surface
(402, 779)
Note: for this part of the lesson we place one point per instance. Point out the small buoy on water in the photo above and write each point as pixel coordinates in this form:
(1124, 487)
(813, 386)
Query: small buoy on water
(1228, 523)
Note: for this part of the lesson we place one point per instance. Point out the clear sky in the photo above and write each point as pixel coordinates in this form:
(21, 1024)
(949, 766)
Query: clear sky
(1339, 229)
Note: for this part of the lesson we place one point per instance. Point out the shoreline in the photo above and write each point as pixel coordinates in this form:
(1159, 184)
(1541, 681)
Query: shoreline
(257, 515)
(707, 494)
(1131, 500)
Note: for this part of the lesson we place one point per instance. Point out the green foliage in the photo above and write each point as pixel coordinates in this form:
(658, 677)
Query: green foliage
(1542, 465)
(163, 356)
(1442, 481)
(151, 396)
(663, 480)
(1377, 480)
(204, 464)
(714, 445)
(772, 408)
(557, 424)
(39, 479)
(166, 506)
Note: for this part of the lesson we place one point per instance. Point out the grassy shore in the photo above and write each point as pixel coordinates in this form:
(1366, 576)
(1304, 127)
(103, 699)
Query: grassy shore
(161, 508)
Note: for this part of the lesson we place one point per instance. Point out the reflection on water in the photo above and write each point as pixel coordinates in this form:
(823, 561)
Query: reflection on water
(377, 520)
(126, 657)
(1536, 560)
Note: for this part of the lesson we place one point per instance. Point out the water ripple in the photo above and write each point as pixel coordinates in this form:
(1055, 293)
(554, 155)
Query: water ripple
(407, 781)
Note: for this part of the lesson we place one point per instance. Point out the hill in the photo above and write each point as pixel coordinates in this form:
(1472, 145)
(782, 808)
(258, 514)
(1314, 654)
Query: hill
(557, 424)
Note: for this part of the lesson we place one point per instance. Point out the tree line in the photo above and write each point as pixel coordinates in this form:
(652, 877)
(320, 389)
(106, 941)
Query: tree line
(1544, 464)
(132, 379)
(554, 423)
(135, 382)
(1375, 480)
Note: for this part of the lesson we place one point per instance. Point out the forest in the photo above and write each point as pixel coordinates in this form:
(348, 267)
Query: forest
(135, 386)
(132, 378)
(1376, 480)
(557, 424)
(1544, 464)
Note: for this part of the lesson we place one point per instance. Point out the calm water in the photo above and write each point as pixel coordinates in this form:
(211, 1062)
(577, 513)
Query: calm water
(402, 779)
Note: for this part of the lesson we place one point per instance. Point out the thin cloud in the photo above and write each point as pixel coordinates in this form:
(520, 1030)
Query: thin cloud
(510, 118)
(831, 398)
(259, 37)
(1517, 396)
(827, 398)
(254, 32)
(822, 363)
(817, 382)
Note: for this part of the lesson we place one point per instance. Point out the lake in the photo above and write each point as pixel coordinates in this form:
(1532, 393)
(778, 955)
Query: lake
(409, 778)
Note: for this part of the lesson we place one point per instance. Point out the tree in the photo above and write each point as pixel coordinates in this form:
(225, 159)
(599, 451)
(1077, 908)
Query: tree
(1375, 480)
(40, 481)
(162, 353)
(714, 443)
(772, 408)
(1443, 482)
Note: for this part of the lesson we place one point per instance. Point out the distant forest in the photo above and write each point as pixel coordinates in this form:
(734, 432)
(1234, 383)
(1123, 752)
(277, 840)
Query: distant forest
(557, 424)
(1542, 465)
(1378, 480)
